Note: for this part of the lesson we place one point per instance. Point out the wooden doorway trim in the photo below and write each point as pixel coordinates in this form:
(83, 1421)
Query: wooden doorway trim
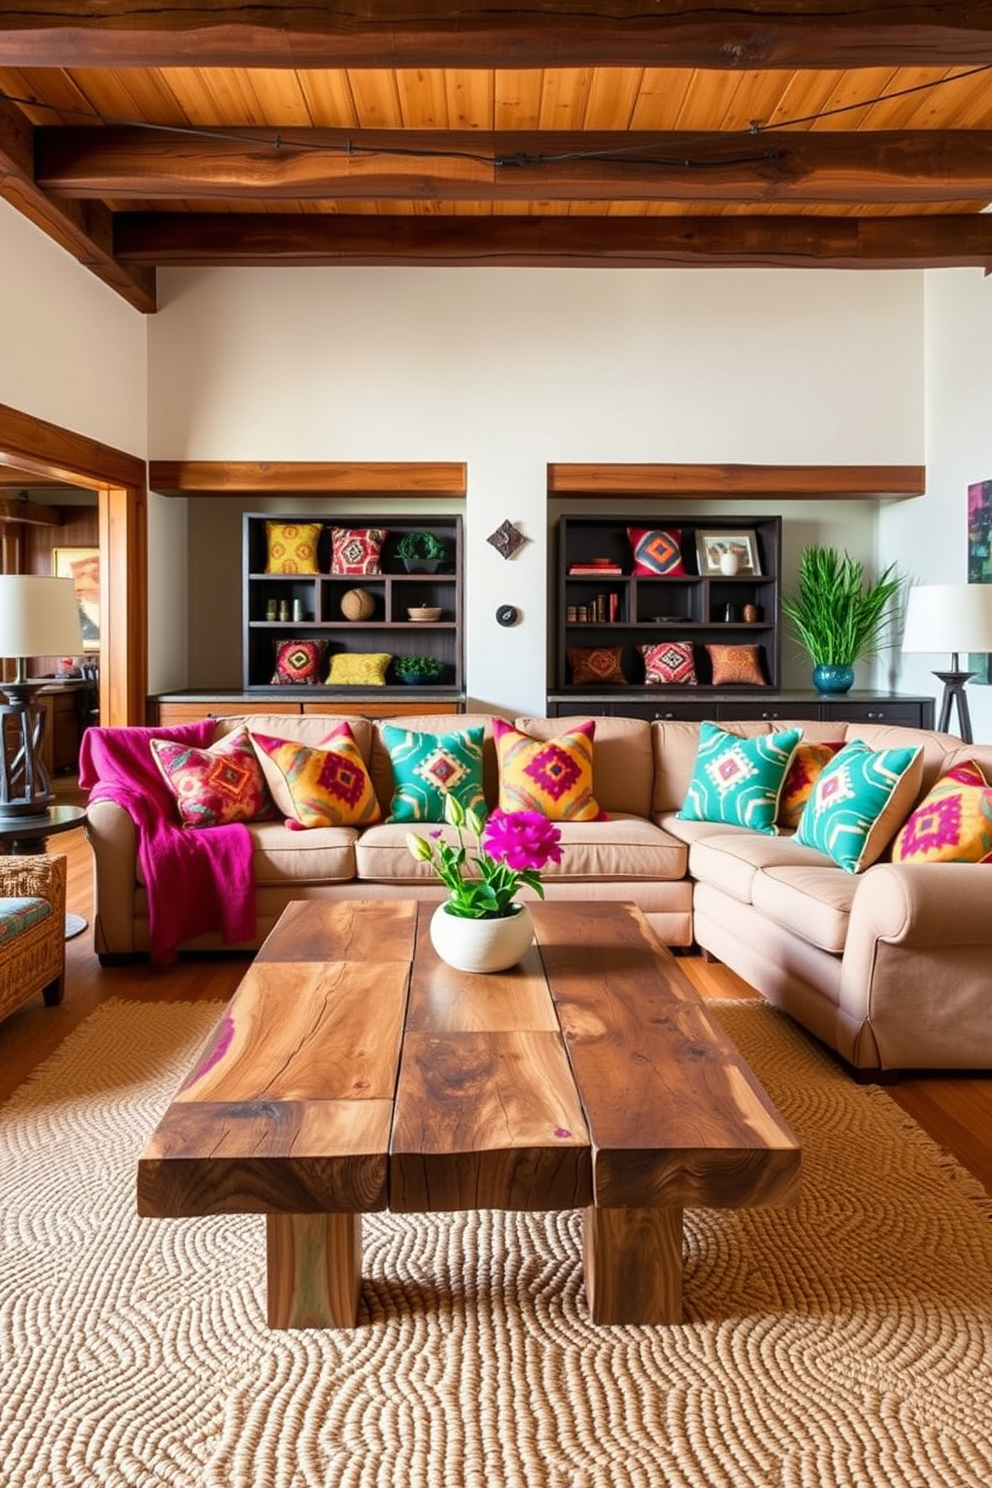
(46, 452)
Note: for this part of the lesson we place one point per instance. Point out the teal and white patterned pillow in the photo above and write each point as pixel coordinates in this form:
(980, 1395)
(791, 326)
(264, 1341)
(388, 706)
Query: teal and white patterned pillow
(429, 767)
(859, 802)
(738, 781)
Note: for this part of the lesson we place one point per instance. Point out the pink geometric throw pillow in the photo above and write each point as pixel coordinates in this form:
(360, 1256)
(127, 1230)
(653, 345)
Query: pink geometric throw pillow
(669, 662)
(356, 550)
(217, 785)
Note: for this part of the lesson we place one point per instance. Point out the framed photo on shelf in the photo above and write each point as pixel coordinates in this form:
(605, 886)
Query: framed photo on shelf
(713, 547)
(82, 566)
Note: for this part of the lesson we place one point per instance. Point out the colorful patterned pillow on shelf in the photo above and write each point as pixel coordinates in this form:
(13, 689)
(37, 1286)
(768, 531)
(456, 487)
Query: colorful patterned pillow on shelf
(214, 786)
(318, 787)
(292, 547)
(736, 666)
(551, 776)
(858, 802)
(359, 669)
(669, 663)
(596, 666)
(427, 768)
(739, 781)
(657, 550)
(357, 550)
(298, 663)
(807, 762)
(953, 822)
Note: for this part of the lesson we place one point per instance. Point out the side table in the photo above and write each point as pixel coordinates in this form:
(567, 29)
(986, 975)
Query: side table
(23, 835)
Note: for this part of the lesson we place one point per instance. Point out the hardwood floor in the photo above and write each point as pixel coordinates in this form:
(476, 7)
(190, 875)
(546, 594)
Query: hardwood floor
(955, 1110)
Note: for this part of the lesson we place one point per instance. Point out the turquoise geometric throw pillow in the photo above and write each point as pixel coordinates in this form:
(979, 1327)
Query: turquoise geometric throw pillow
(860, 800)
(429, 767)
(738, 781)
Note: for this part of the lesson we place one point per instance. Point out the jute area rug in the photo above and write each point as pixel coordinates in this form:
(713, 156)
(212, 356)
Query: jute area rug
(845, 1342)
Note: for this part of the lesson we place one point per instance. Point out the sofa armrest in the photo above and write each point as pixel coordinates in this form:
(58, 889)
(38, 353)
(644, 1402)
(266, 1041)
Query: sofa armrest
(922, 904)
(113, 836)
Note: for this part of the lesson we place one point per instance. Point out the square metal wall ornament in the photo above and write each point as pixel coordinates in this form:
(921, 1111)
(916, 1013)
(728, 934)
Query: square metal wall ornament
(506, 539)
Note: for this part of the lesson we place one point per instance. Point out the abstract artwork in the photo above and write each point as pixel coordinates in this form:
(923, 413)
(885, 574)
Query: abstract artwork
(980, 561)
(82, 566)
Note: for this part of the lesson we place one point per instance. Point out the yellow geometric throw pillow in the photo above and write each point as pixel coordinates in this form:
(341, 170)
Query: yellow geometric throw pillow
(359, 669)
(953, 822)
(550, 776)
(319, 787)
(292, 547)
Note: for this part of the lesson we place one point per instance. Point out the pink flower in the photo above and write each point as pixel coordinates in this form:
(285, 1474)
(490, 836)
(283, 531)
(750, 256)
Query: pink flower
(522, 840)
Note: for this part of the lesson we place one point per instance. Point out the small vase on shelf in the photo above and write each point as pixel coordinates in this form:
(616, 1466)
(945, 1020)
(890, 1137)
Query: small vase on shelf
(832, 679)
(481, 945)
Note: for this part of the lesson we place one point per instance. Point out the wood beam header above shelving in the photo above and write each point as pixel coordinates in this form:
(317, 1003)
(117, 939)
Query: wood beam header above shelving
(729, 482)
(412, 478)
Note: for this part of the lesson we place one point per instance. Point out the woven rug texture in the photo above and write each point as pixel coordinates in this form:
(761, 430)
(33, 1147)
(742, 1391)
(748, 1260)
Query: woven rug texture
(844, 1343)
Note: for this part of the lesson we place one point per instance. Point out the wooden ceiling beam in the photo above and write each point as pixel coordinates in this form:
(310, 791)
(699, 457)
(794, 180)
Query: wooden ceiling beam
(193, 240)
(479, 33)
(83, 229)
(875, 166)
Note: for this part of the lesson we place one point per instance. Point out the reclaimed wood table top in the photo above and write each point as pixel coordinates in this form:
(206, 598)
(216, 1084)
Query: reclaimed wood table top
(354, 1071)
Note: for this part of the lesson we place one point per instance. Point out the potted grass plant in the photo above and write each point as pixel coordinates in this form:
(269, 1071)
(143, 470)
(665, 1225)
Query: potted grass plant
(838, 615)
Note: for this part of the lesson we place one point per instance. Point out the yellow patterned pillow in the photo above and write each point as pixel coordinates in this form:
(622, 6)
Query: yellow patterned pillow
(953, 822)
(808, 762)
(318, 787)
(551, 776)
(292, 547)
(359, 669)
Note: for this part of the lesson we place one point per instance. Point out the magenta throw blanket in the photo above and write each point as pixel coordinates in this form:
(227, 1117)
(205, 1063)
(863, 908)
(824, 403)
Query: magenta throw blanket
(199, 880)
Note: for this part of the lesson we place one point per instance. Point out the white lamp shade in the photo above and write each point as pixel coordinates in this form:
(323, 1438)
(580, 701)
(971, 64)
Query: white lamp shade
(948, 617)
(39, 616)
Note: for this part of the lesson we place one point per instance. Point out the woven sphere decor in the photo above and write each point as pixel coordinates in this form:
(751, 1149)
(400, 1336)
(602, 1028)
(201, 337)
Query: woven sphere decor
(358, 604)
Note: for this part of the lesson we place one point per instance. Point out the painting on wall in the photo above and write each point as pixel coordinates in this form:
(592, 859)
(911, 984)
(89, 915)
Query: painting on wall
(82, 566)
(980, 561)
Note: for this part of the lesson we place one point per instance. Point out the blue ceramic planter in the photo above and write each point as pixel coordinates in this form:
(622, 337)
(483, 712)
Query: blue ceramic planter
(833, 679)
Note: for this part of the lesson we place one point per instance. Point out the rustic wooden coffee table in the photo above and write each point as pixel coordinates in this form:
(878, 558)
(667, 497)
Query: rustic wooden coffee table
(353, 1071)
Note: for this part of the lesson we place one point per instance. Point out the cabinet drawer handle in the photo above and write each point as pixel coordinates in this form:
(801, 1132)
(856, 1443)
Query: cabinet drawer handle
(879, 714)
(771, 715)
(664, 715)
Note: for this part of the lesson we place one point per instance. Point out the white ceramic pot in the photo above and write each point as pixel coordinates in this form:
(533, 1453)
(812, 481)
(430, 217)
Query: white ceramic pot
(729, 564)
(481, 945)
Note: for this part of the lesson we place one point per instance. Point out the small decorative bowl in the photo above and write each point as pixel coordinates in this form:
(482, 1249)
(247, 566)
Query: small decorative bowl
(424, 613)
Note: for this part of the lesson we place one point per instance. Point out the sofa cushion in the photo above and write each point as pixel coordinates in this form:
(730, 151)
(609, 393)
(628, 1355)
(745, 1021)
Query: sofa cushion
(738, 781)
(623, 763)
(729, 860)
(552, 776)
(859, 801)
(813, 901)
(223, 783)
(429, 767)
(621, 849)
(20, 914)
(953, 822)
(323, 787)
(320, 855)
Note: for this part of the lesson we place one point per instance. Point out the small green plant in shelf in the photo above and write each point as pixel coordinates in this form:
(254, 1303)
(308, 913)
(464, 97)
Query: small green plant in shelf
(421, 551)
(418, 668)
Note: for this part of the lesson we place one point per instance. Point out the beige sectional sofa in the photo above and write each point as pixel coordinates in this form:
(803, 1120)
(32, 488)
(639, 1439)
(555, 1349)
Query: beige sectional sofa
(891, 967)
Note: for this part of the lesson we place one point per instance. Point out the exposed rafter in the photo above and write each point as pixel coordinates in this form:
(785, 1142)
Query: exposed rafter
(479, 33)
(190, 240)
(454, 165)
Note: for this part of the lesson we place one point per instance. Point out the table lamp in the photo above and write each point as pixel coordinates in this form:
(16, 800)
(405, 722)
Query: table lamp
(954, 618)
(39, 616)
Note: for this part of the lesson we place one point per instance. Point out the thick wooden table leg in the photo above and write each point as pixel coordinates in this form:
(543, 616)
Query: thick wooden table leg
(633, 1265)
(314, 1270)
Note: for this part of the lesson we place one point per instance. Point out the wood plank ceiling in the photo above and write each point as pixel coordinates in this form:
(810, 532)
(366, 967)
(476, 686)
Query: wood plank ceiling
(837, 133)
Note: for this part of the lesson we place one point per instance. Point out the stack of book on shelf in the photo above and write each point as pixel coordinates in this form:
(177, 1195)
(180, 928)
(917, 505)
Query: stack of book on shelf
(596, 566)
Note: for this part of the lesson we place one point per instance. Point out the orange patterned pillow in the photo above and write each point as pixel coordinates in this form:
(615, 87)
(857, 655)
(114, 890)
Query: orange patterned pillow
(807, 762)
(324, 787)
(596, 666)
(550, 776)
(953, 822)
(292, 547)
(736, 666)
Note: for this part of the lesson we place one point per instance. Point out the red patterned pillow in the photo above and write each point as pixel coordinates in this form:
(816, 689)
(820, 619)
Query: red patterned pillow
(298, 663)
(953, 822)
(356, 550)
(807, 762)
(215, 786)
(669, 662)
(596, 666)
(736, 666)
(657, 550)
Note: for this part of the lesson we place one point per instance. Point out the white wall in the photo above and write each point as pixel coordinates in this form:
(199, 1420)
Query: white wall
(71, 350)
(928, 538)
(510, 369)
